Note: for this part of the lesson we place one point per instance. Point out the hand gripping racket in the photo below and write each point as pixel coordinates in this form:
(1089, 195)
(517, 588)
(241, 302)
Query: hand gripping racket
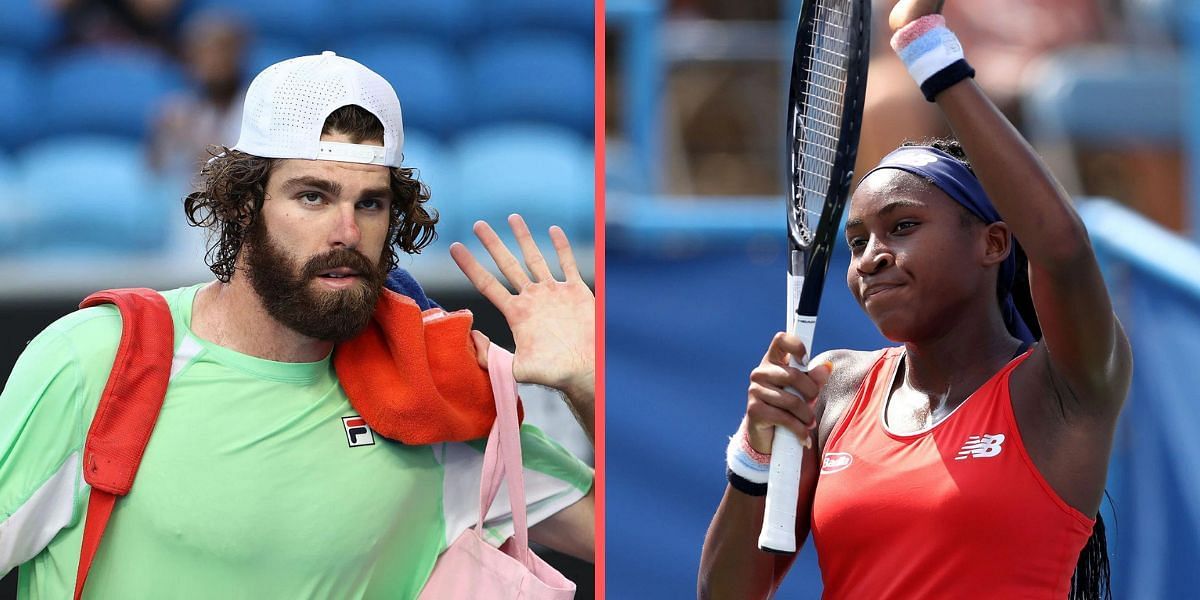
(824, 115)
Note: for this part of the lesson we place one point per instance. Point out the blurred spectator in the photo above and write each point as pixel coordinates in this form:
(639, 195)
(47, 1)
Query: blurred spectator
(719, 140)
(212, 48)
(1005, 41)
(721, 68)
(1000, 38)
(150, 23)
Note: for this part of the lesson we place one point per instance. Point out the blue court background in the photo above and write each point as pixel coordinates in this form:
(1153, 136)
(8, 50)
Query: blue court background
(693, 299)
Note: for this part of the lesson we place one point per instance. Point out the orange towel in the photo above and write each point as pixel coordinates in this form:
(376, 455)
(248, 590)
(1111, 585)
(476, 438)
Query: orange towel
(413, 375)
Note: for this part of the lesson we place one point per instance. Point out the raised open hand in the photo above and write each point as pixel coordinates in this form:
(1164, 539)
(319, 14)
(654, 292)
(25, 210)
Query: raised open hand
(553, 322)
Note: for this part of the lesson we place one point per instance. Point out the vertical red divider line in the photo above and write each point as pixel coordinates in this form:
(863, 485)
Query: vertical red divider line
(599, 269)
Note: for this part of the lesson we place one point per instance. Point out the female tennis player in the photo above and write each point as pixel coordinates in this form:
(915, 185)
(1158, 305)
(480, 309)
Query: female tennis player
(970, 460)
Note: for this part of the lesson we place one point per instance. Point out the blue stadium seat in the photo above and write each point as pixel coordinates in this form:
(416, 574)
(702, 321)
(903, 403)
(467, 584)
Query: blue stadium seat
(28, 25)
(18, 119)
(534, 77)
(109, 91)
(1079, 94)
(570, 15)
(1164, 16)
(543, 172)
(12, 206)
(92, 193)
(265, 51)
(425, 74)
(443, 19)
(296, 19)
(435, 168)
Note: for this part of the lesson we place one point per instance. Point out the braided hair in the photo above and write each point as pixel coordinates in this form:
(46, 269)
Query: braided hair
(1092, 577)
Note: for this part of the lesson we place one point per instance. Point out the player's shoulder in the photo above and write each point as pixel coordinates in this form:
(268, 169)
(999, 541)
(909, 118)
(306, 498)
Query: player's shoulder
(91, 331)
(850, 367)
(86, 324)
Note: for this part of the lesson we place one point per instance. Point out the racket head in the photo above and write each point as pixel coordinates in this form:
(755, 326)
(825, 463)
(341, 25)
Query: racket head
(824, 118)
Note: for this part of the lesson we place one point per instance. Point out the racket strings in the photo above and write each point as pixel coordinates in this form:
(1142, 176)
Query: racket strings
(818, 118)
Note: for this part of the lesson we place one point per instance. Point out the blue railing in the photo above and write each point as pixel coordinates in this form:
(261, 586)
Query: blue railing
(1191, 79)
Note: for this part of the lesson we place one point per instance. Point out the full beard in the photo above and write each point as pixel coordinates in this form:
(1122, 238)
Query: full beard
(288, 293)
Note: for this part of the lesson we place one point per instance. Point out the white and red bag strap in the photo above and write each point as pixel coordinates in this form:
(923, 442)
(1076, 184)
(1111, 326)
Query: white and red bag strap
(127, 411)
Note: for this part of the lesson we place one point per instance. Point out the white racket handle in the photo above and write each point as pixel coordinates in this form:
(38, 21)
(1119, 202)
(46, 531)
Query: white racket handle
(783, 481)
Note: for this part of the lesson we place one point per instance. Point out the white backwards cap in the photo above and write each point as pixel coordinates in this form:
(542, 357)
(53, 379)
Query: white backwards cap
(287, 104)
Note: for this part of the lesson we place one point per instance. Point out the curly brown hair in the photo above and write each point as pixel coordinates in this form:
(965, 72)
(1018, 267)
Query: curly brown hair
(233, 187)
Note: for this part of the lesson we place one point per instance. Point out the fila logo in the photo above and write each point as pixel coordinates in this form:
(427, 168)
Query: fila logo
(357, 432)
(981, 446)
(835, 461)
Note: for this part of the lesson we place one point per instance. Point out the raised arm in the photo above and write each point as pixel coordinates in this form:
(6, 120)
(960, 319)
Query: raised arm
(553, 322)
(1084, 343)
(554, 326)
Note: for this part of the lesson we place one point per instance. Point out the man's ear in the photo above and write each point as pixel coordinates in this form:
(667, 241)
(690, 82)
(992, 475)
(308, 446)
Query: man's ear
(247, 212)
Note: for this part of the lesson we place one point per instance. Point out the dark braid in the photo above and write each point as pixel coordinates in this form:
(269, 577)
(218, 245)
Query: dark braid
(1092, 577)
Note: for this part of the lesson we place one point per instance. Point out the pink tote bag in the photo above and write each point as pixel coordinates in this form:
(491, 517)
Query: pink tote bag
(472, 568)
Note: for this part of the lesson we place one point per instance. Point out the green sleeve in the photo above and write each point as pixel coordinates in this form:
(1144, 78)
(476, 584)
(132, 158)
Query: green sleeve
(544, 455)
(45, 410)
(554, 480)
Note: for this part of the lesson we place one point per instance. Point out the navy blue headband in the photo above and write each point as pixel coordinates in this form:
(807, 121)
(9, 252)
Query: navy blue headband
(954, 178)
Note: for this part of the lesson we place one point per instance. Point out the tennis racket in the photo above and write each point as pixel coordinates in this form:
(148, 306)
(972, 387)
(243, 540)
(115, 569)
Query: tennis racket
(824, 115)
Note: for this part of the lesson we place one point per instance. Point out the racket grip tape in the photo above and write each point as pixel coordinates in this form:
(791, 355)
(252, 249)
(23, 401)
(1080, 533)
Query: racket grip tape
(783, 490)
(783, 480)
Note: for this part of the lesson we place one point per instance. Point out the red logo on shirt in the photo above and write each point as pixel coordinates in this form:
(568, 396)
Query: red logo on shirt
(836, 461)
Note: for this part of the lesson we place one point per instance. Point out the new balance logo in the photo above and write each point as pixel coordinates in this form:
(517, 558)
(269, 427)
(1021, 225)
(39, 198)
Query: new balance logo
(981, 446)
(357, 432)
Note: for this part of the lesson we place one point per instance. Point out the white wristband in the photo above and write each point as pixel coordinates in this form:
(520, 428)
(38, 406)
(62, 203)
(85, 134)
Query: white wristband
(932, 54)
(743, 461)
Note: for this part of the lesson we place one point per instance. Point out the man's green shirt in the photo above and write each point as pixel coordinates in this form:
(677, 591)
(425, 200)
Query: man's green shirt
(249, 487)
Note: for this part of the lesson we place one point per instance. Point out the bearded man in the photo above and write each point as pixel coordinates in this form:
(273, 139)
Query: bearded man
(249, 487)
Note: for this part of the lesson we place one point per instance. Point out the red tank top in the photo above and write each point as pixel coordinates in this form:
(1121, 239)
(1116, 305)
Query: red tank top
(953, 511)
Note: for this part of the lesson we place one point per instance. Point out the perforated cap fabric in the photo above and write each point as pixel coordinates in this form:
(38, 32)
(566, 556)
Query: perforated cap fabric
(287, 104)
